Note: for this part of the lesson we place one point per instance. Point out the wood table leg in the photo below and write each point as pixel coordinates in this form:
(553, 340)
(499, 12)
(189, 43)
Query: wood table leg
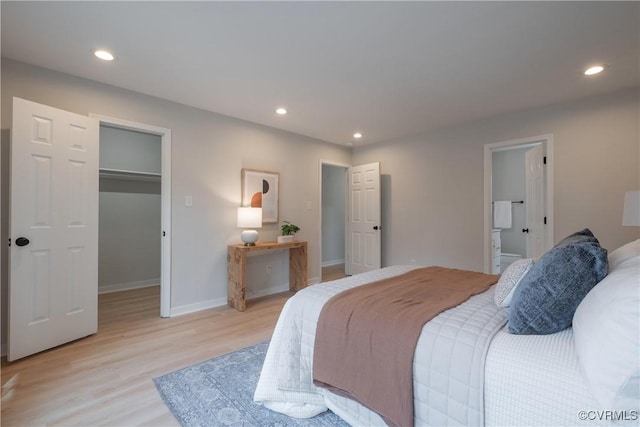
(236, 290)
(298, 268)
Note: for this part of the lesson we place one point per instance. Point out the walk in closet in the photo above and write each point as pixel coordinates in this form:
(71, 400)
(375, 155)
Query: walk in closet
(130, 210)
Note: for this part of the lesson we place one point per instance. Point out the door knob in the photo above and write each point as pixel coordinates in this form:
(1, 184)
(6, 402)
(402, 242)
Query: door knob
(375, 227)
(525, 230)
(22, 241)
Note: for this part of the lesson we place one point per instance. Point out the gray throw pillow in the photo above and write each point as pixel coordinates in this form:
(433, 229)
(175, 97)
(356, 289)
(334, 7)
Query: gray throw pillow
(547, 297)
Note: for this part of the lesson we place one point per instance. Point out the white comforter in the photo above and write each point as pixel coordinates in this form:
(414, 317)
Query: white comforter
(448, 363)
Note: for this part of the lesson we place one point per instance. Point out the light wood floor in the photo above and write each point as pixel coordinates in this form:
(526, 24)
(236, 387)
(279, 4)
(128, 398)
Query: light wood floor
(333, 272)
(106, 379)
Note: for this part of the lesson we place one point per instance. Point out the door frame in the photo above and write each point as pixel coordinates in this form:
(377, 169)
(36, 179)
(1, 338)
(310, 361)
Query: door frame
(165, 200)
(545, 140)
(328, 163)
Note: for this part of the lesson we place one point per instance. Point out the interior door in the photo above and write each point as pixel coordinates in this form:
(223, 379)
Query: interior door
(53, 277)
(534, 203)
(363, 219)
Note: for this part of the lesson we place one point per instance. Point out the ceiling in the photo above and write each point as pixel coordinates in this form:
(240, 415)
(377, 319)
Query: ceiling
(386, 69)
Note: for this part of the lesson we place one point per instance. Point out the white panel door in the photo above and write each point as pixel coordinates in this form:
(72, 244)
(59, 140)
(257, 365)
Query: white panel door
(53, 276)
(534, 194)
(363, 219)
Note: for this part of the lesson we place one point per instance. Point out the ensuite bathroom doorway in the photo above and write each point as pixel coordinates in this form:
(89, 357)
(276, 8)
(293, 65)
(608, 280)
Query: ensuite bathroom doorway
(518, 177)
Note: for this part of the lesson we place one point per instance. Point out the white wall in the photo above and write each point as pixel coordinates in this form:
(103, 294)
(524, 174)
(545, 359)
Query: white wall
(333, 214)
(433, 183)
(267, 272)
(129, 235)
(208, 152)
(508, 183)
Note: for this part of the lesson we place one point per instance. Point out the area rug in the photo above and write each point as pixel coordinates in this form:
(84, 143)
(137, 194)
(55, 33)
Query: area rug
(219, 392)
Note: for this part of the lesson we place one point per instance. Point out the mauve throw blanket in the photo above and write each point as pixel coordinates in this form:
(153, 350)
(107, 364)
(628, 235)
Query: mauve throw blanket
(366, 336)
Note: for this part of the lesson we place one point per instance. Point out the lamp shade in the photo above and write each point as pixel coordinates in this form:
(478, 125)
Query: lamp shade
(249, 217)
(631, 213)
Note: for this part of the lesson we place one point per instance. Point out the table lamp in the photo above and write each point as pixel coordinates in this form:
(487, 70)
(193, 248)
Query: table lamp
(249, 218)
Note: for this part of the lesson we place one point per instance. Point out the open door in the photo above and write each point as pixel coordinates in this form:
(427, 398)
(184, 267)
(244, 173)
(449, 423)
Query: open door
(534, 203)
(53, 267)
(363, 219)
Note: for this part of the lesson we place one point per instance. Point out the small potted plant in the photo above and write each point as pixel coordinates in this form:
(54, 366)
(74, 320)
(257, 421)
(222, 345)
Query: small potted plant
(288, 230)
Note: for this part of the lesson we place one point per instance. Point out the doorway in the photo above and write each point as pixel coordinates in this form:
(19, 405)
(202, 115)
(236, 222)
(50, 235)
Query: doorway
(507, 178)
(137, 184)
(333, 198)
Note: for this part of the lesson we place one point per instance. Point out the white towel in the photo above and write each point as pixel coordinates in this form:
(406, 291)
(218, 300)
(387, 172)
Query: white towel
(502, 214)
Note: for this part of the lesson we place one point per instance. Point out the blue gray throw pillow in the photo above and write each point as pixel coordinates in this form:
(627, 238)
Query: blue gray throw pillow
(581, 236)
(547, 297)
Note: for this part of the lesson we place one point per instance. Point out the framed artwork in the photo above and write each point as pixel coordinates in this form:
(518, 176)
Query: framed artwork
(260, 190)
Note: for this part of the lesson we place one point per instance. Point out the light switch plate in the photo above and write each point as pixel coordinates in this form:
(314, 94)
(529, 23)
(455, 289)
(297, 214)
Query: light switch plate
(188, 201)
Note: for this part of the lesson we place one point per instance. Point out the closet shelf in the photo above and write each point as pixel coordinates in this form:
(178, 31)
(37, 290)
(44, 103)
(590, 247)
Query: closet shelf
(129, 175)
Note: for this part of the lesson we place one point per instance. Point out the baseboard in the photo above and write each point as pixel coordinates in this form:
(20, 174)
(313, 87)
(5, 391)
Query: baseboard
(278, 289)
(128, 286)
(220, 302)
(199, 306)
(332, 262)
(264, 292)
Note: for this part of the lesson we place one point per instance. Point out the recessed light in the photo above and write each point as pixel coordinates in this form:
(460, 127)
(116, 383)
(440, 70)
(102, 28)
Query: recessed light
(281, 111)
(357, 135)
(104, 55)
(596, 69)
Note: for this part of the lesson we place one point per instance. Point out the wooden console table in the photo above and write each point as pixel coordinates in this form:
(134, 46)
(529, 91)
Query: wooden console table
(237, 262)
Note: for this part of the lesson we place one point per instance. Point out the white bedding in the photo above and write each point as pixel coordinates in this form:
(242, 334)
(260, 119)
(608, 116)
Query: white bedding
(529, 380)
(448, 363)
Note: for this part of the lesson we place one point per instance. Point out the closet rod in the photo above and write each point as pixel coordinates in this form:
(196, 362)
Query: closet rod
(129, 175)
(516, 201)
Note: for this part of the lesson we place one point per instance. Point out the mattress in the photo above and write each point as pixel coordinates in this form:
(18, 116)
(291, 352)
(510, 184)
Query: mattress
(535, 380)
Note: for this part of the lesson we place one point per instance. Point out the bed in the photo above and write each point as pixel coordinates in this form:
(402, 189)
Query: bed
(470, 368)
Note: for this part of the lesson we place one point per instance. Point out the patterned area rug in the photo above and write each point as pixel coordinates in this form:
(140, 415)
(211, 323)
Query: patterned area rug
(219, 392)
